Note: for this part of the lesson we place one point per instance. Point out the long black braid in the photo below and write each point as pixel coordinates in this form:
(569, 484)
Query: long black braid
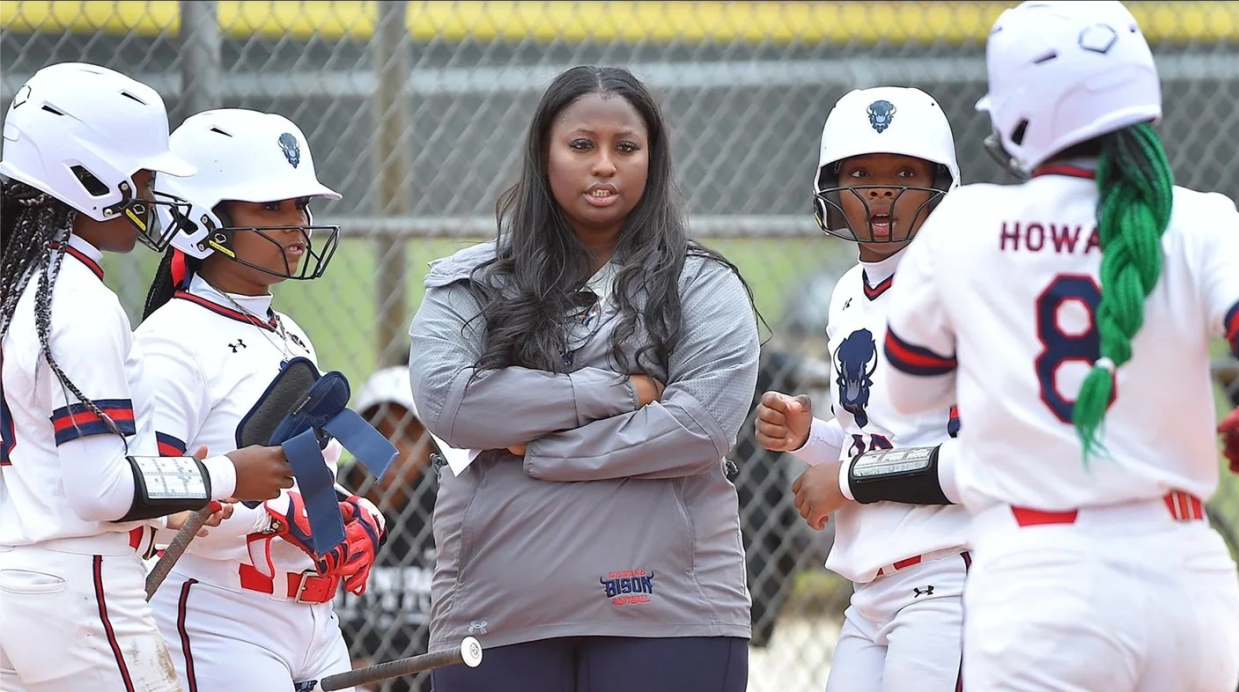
(34, 225)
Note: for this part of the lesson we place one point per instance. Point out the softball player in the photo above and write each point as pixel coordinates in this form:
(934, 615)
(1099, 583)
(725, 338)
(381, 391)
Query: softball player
(79, 487)
(887, 158)
(248, 606)
(1087, 294)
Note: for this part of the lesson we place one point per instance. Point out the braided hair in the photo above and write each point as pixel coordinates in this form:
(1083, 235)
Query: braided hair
(35, 227)
(1136, 188)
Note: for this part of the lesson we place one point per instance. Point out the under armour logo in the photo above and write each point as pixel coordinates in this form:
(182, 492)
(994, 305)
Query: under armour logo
(929, 591)
(477, 627)
(847, 304)
(237, 346)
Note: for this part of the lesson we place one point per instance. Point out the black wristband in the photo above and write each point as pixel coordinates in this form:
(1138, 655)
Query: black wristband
(167, 485)
(908, 476)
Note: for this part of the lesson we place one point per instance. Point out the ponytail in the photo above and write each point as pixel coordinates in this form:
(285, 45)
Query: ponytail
(174, 270)
(1136, 188)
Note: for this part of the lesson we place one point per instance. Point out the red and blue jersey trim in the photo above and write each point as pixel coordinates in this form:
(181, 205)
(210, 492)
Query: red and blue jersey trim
(1065, 169)
(169, 446)
(873, 292)
(916, 360)
(77, 420)
(92, 265)
(1231, 327)
(231, 314)
(952, 423)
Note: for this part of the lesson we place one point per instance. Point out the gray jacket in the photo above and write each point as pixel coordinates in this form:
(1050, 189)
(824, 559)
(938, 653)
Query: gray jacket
(620, 521)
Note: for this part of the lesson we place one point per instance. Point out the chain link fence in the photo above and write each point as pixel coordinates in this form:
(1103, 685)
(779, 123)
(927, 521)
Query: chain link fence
(416, 112)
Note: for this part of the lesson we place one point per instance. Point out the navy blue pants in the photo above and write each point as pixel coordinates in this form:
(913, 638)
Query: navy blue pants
(605, 664)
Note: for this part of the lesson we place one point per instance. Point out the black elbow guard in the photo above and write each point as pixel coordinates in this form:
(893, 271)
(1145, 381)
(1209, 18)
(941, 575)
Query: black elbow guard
(167, 485)
(908, 476)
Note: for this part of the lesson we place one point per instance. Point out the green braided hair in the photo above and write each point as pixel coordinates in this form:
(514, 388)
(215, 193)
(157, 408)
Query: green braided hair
(1136, 193)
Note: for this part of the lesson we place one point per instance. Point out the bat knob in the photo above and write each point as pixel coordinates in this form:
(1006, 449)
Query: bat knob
(471, 652)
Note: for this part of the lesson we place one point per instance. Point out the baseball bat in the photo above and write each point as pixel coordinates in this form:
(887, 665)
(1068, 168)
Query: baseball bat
(469, 653)
(174, 550)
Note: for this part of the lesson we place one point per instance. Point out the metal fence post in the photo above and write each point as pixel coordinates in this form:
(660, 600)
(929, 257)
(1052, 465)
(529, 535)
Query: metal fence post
(200, 57)
(393, 173)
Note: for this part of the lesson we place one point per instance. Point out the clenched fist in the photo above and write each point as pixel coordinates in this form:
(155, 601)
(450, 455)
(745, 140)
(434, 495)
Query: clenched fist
(783, 421)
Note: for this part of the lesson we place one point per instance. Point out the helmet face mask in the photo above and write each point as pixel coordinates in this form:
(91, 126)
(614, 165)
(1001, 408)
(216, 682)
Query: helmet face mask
(896, 121)
(828, 204)
(311, 266)
(141, 213)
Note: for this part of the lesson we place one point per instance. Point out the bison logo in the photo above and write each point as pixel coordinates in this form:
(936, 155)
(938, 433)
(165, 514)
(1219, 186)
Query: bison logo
(291, 149)
(880, 115)
(856, 359)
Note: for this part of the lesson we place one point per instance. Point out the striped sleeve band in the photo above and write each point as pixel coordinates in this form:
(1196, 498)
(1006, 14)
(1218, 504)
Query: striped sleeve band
(169, 446)
(78, 420)
(915, 360)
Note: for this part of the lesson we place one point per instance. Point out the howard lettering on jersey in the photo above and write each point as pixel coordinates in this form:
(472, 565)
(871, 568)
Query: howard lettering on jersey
(628, 588)
(1019, 236)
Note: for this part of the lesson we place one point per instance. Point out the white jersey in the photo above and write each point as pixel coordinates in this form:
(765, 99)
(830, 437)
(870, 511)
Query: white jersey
(208, 360)
(869, 537)
(1004, 279)
(42, 422)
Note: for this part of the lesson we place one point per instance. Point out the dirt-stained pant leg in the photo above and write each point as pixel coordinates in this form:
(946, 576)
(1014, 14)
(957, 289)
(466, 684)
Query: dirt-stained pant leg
(226, 641)
(76, 621)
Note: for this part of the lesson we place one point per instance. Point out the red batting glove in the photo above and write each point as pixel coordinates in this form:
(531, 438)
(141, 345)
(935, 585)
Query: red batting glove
(352, 560)
(1229, 428)
(290, 521)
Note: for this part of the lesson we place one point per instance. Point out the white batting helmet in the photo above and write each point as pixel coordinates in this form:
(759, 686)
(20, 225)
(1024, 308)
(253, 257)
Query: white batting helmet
(1061, 73)
(79, 132)
(881, 120)
(245, 156)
